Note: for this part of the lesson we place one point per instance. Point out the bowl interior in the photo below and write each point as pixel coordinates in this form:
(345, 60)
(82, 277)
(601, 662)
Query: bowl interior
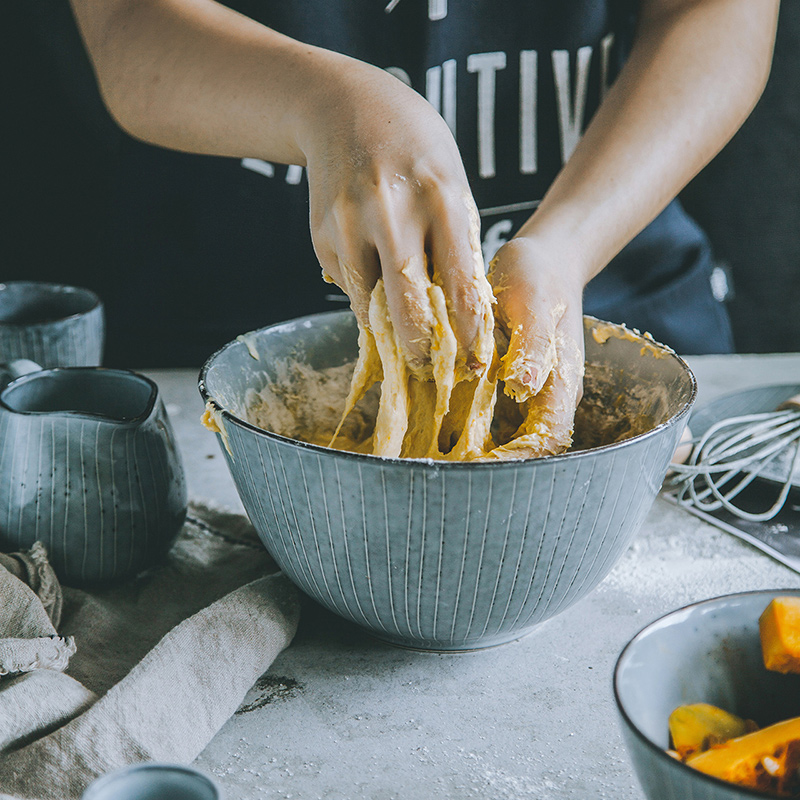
(632, 384)
(709, 652)
(267, 357)
(34, 303)
(153, 782)
(112, 394)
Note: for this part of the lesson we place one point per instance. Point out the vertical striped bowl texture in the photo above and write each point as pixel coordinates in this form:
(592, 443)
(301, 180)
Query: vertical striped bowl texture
(53, 325)
(89, 467)
(708, 652)
(438, 555)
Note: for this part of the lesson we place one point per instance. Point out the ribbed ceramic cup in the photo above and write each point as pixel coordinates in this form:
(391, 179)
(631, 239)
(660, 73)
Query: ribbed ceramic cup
(53, 325)
(89, 467)
(443, 555)
(153, 782)
(708, 652)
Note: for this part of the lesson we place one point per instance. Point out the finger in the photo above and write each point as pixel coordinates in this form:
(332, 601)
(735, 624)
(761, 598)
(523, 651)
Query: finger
(348, 260)
(359, 270)
(550, 414)
(326, 255)
(571, 358)
(454, 247)
(532, 353)
(405, 274)
(557, 401)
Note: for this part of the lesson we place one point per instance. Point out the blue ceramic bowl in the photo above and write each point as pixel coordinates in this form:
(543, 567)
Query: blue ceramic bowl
(709, 652)
(441, 555)
(153, 782)
(51, 324)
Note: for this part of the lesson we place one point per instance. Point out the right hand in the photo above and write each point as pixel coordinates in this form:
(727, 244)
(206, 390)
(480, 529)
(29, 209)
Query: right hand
(539, 308)
(389, 197)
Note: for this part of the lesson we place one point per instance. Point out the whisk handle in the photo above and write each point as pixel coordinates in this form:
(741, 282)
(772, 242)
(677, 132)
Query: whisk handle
(792, 404)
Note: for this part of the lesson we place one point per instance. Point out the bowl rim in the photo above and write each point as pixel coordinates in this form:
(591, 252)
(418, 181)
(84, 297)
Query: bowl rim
(508, 463)
(649, 744)
(102, 783)
(54, 289)
(114, 372)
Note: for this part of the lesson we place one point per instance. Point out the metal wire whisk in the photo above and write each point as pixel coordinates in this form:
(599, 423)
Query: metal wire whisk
(732, 453)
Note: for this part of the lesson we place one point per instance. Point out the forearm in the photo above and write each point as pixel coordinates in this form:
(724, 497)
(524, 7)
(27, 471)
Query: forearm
(194, 75)
(387, 188)
(695, 72)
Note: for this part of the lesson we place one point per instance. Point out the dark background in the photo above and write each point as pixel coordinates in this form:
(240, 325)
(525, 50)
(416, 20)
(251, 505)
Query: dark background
(58, 154)
(748, 201)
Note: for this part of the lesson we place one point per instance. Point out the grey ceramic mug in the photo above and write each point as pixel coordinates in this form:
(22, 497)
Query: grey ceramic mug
(153, 782)
(51, 324)
(88, 466)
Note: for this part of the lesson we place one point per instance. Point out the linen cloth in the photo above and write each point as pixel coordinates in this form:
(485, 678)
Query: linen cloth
(147, 670)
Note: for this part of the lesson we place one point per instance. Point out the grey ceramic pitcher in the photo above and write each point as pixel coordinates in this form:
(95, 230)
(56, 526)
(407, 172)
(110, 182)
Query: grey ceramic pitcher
(89, 467)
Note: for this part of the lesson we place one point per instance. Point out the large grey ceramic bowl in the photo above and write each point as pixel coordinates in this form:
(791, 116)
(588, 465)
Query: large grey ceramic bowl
(441, 555)
(709, 652)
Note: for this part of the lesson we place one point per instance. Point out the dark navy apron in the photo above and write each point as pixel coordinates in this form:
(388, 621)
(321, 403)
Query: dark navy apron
(200, 249)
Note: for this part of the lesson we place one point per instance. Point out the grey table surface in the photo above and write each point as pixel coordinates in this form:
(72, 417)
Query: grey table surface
(340, 715)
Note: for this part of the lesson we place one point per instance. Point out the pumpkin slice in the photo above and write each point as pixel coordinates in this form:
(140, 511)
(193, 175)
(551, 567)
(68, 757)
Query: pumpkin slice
(779, 627)
(757, 760)
(696, 727)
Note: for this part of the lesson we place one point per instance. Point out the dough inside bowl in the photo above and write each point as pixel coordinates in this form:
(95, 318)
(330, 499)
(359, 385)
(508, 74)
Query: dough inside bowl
(445, 408)
(305, 403)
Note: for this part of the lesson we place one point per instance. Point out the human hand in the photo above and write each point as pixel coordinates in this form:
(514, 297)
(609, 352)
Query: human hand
(389, 197)
(539, 309)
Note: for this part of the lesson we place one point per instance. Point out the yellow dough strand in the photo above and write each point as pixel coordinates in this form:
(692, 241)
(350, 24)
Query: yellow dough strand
(475, 440)
(430, 399)
(392, 421)
(367, 372)
(473, 421)
(422, 435)
(411, 409)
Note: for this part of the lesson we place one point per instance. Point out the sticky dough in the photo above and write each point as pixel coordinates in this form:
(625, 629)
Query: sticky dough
(447, 412)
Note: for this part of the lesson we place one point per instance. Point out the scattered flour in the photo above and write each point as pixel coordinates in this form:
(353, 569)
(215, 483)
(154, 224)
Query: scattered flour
(679, 560)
